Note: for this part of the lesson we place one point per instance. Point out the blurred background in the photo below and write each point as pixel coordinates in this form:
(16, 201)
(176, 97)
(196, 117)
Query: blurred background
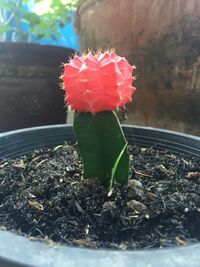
(160, 37)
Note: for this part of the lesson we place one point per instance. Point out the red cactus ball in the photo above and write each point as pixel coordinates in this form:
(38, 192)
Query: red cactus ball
(99, 82)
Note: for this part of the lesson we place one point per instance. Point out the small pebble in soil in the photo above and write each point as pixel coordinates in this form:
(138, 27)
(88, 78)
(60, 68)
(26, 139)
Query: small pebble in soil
(135, 189)
(136, 206)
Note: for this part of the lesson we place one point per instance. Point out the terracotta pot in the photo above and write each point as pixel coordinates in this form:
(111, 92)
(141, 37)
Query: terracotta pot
(30, 94)
(162, 38)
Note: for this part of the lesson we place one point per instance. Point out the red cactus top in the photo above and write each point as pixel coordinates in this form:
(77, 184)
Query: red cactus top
(100, 82)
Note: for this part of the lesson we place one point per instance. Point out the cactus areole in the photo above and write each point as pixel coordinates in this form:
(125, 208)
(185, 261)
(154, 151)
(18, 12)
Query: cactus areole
(96, 85)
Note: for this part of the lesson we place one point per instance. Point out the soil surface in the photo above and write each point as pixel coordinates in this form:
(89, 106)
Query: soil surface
(42, 196)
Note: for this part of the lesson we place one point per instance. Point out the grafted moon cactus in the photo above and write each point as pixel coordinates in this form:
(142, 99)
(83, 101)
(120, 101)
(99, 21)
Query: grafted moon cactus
(96, 85)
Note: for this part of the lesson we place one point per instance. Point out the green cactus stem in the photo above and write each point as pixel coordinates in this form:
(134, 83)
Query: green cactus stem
(102, 146)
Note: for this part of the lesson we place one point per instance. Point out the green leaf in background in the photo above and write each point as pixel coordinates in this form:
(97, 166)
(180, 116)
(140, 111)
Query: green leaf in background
(102, 146)
(31, 18)
(39, 36)
(4, 28)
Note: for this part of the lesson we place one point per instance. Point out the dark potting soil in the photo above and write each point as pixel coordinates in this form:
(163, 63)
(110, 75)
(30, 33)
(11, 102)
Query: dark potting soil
(43, 196)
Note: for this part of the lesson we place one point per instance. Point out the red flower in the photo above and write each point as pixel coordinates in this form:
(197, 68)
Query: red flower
(100, 82)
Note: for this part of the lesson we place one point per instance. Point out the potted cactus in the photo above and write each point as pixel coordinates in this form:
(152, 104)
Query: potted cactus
(121, 188)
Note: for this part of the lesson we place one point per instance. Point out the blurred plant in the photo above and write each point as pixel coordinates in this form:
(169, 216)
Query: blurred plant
(42, 18)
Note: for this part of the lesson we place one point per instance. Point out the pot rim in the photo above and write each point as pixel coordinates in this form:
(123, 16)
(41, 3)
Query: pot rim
(36, 128)
(32, 45)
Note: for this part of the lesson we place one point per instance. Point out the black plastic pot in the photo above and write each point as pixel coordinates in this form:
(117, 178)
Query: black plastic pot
(16, 251)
